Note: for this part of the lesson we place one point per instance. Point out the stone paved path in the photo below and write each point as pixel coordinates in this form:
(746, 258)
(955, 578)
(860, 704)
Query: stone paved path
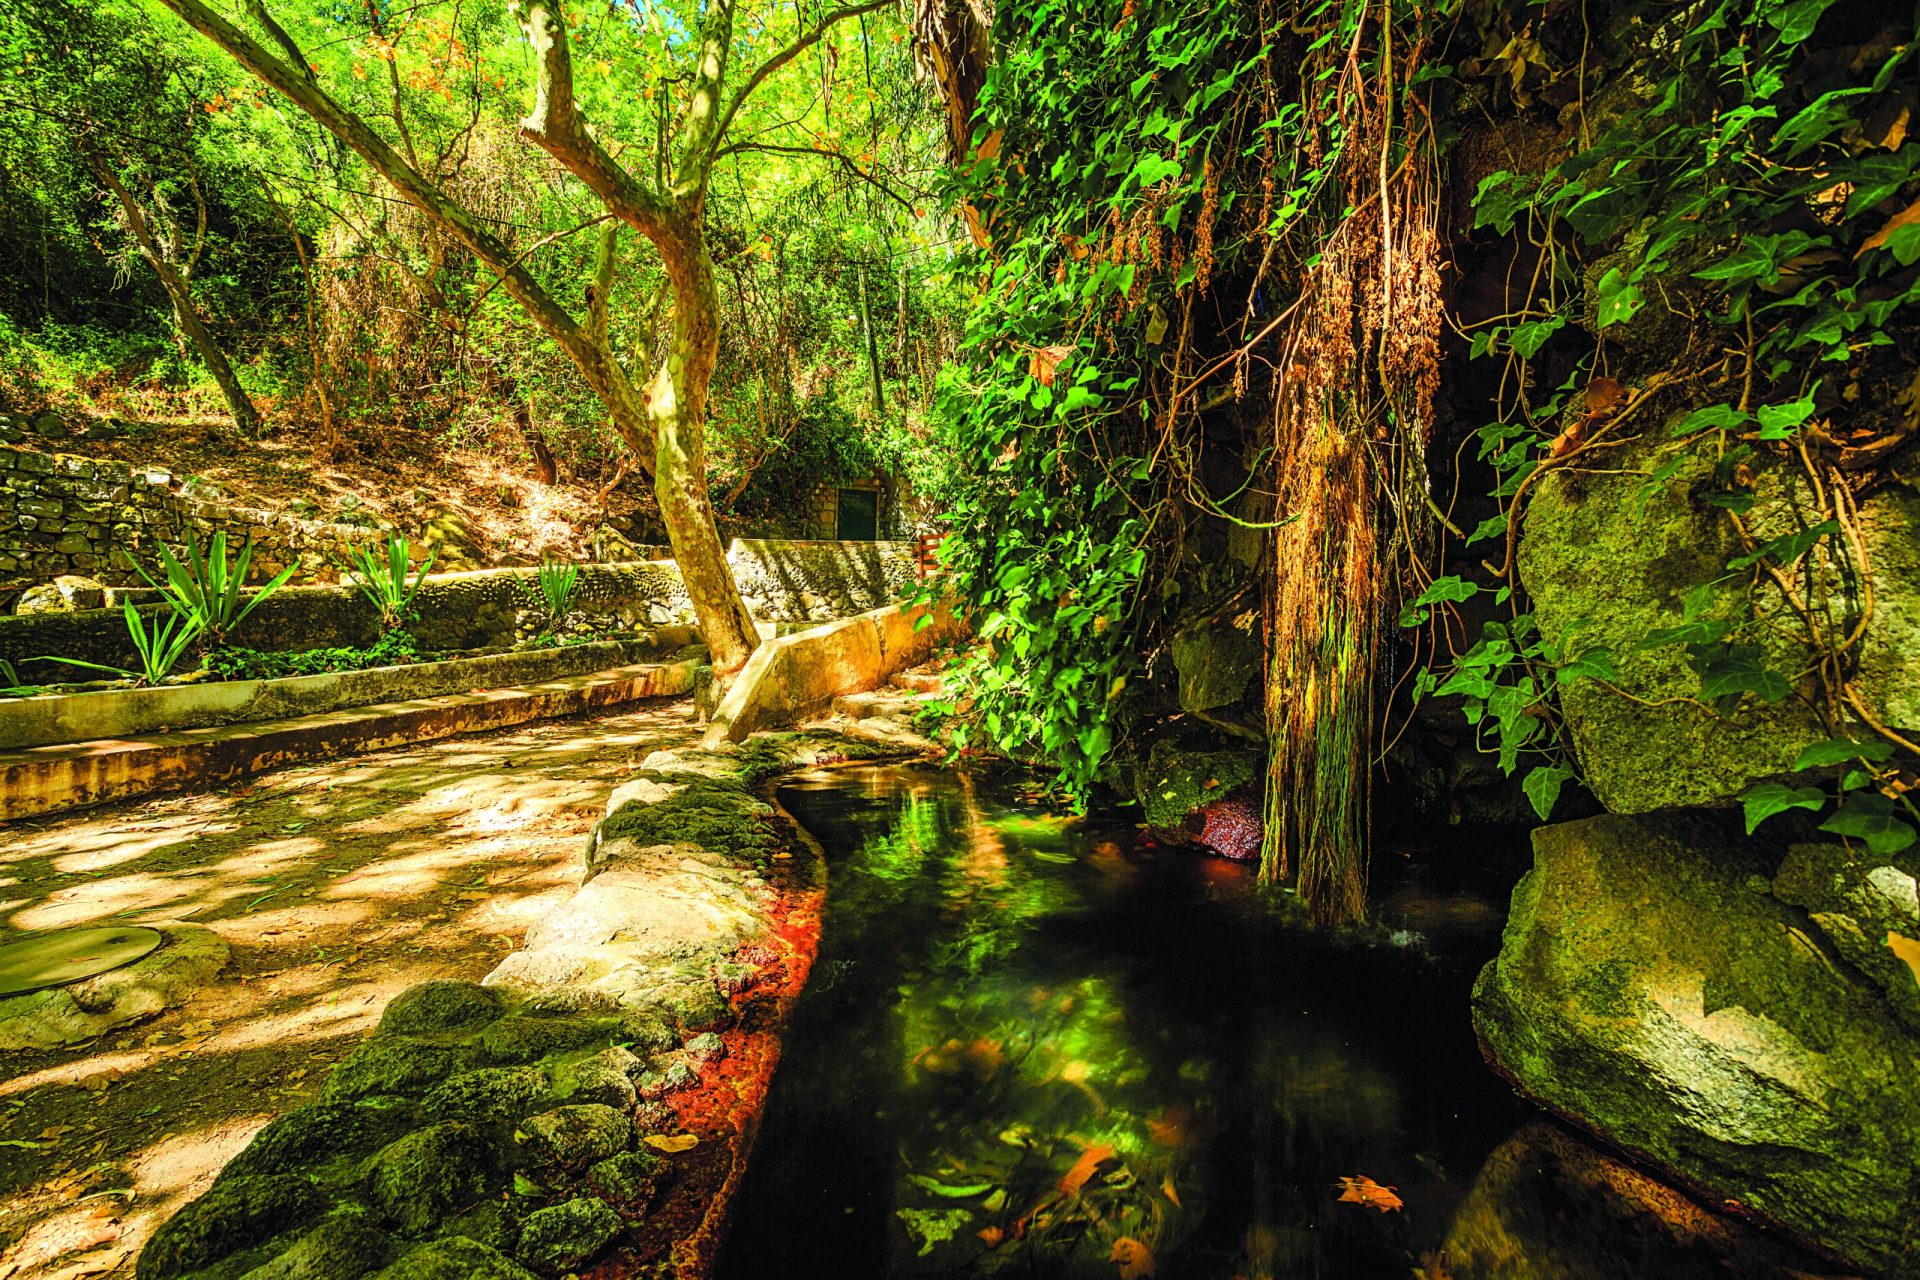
(336, 885)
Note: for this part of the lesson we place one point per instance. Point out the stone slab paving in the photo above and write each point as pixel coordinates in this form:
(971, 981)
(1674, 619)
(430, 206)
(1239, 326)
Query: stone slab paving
(336, 886)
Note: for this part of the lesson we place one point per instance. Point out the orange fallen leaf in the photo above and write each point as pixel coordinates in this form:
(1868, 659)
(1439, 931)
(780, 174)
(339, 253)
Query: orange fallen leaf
(1908, 950)
(1909, 214)
(1133, 1257)
(1603, 394)
(1085, 1167)
(672, 1145)
(1364, 1190)
(1046, 361)
(991, 1236)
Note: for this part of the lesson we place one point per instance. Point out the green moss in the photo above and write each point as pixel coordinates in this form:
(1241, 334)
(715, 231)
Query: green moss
(648, 1032)
(1172, 781)
(605, 1077)
(719, 814)
(434, 1007)
(344, 1247)
(456, 1258)
(491, 1095)
(567, 1236)
(631, 1178)
(522, 1039)
(390, 1065)
(235, 1214)
(325, 1133)
(575, 1136)
(429, 1175)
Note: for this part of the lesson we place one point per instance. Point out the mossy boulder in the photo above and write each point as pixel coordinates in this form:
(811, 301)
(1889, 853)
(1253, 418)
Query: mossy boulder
(494, 1223)
(1219, 663)
(390, 1066)
(673, 1077)
(433, 1007)
(605, 1077)
(1867, 907)
(324, 1134)
(490, 1095)
(648, 1031)
(523, 1039)
(235, 1214)
(1652, 988)
(573, 1137)
(630, 1178)
(455, 1258)
(1609, 561)
(343, 1247)
(718, 814)
(431, 1174)
(1173, 781)
(568, 1235)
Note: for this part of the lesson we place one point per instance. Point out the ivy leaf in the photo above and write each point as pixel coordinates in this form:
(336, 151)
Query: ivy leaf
(1871, 818)
(1795, 21)
(1715, 417)
(1451, 589)
(1841, 751)
(1884, 237)
(1692, 631)
(1542, 785)
(1492, 526)
(1595, 663)
(1788, 547)
(1762, 800)
(1778, 421)
(1618, 298)
(1726, 676)
(1527, 339)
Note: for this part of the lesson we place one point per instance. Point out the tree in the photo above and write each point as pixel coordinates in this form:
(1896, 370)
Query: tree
(694, 108)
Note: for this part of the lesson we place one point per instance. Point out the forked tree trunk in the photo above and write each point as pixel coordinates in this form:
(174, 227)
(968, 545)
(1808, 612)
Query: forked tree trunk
(245, 416)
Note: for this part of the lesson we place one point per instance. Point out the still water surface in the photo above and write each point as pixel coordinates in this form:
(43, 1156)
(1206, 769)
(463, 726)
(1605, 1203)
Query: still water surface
(1040, 1047)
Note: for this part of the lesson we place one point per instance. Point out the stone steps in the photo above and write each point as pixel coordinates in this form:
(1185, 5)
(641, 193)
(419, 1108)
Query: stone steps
(51, 779)
(917, 682)
(888, 703)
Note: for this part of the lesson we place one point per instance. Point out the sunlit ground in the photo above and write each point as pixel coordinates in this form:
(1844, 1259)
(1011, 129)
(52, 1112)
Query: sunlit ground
(336, 885)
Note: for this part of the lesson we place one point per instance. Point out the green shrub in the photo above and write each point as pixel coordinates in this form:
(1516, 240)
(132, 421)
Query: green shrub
(396, 648)
(560, 586)
(385, 584)
(160, 647)
(205, 589)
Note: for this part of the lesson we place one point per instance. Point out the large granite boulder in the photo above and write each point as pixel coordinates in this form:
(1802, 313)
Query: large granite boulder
(1652, 987)
(1609, 558)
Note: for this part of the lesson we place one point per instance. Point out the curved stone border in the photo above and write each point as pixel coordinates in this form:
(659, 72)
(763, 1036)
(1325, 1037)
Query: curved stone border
(118, 713)
(593, 1100)
(186, 959)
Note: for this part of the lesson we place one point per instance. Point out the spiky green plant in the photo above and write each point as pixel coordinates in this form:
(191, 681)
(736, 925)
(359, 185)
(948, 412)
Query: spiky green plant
(160, 647)
(385, 583)
(560, 585)
(205, 588)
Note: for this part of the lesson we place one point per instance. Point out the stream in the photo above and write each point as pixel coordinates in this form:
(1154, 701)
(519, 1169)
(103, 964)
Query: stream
(1040, 1046)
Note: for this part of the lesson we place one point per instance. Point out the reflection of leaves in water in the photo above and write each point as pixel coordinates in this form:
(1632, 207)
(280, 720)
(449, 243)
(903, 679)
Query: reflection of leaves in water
(933, 1226)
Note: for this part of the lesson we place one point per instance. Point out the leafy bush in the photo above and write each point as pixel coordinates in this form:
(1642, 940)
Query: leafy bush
(386, 584)
(396, 648)
(206, 589)
(160, 647)
(560, 586)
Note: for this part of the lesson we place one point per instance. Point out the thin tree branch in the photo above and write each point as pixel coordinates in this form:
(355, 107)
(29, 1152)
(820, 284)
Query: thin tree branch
(807, 39)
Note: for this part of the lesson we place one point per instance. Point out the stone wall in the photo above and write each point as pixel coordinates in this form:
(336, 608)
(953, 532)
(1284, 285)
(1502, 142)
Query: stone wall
(62, 513)
(487, 608)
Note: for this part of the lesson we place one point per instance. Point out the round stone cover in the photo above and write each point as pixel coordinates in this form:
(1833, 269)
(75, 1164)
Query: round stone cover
(56, 957)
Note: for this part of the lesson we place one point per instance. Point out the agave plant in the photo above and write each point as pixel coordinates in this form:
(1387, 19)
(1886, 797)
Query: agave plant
(206, 588)
(560, 584)
(385, 584)
(160, 647)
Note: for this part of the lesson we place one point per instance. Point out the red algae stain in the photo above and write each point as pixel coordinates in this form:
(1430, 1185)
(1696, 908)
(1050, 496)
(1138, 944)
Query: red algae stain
(687, 1227)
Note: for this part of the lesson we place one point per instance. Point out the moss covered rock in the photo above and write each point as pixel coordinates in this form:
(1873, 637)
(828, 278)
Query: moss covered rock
(1607, 565)
(1866, 906)
(491, 1095)
(522, 1039)
(574, 1137)
(719, 814)
(431, 1174)
(647, 1031)
(236, 1214)
(433, 1007)
(567, 1236)
(1652, 988)
(1173, 781)
(390, 1066)
(1219, 661)
(344, 1247)
(325, 1134)
(455, 1258)
(604, 1077)
(630, 1178)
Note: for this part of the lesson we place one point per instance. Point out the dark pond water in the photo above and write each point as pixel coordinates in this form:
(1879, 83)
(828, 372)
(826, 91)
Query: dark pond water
(1039, 1047)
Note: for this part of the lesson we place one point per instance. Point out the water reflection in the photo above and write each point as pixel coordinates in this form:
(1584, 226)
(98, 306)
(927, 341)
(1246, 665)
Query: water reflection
(1042, 1047)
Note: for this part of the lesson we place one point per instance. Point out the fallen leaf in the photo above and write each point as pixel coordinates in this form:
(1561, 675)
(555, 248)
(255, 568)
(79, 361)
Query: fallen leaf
(671, 1145)
(1364, 1190)
(1167, 1190)
(1908, 950)
(1909, 214)
(1085, 1167)
(1603, 394)
(1046, 361)
(991, 1236)
(1133, 1257)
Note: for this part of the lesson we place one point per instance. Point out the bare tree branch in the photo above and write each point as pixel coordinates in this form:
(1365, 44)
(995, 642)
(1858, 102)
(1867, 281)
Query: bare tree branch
(806, 40)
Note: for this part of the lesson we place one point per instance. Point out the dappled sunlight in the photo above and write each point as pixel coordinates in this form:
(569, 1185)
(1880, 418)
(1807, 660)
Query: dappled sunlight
(336, 886)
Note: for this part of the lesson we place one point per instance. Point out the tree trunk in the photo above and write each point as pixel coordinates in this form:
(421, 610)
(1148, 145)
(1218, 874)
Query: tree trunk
(677, 410)
(245, 416)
